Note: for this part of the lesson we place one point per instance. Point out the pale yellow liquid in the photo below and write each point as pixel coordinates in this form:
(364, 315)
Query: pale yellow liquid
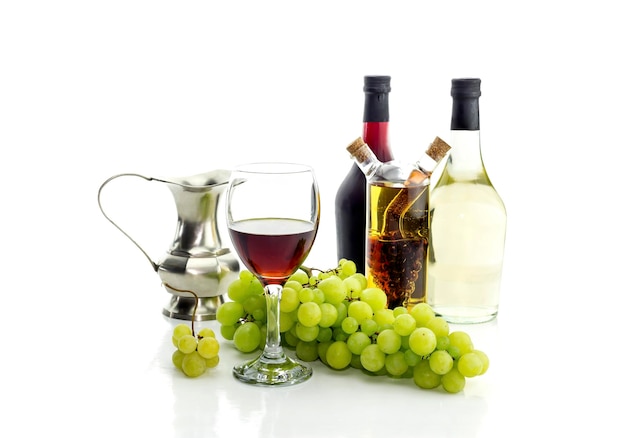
(468, 226)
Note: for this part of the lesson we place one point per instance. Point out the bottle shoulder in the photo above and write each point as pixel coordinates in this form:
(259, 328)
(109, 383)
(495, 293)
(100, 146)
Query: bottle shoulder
(465, 192)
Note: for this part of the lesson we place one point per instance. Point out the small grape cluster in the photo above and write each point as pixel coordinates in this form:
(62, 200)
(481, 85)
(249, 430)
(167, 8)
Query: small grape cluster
(335, 317)
(194, 354)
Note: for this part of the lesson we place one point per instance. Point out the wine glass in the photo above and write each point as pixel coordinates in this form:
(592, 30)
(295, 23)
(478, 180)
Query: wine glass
(272, 215)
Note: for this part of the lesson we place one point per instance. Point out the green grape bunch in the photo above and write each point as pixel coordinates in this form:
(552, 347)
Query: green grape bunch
(194, 354)
(334, 316)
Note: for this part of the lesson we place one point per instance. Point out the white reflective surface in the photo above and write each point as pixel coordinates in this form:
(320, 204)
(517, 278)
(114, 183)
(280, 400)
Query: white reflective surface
(92, 89)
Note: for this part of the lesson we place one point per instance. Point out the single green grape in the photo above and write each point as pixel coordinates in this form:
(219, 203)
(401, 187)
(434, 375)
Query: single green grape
(259, 315)
(353, 287)
(484, 359)
(322, 348)
(290, 338)
(177, 359)
(289, 299)
(348, 268)
(384, 317)
(187, 344)
(193, 364)
(339, 334)
(424, 377)
(369, 327)
(208, 347)
(439, 326)
(228, 331)
(325, 334)
(470, 365)
(338, 355)
(372, 358)
(375, 297)
(422, 341)
(349, 325)
(453, 351)
(334, 289)
(360, 310)
(396, 364)
(206, 332)
(309, 314)
(318, 295)
(329, 315)
(246, 275)
(239, 290)
(422, 312)
(342, 313)
(440, 362)
(305, 333)
(229, 313)
(411, 358)
(389, 341)
(247, 337)
(179, 331)
(404, 324)
(400, 310)
(355, 362)
(443, 343)
(293, 284)
(307, 351)
(254, 303)
(306, 294)
(357, 341)
(453, 381)
(462, 341)
(300, 276)
(361, 278)
(286, 320)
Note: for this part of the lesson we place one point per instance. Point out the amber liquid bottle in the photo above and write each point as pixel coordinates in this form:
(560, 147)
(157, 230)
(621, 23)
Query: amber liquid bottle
(350, 201)
(397, 222)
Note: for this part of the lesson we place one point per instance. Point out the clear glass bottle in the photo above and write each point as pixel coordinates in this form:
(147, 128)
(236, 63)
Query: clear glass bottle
(467, 222)
(350, 202)
(397, 221)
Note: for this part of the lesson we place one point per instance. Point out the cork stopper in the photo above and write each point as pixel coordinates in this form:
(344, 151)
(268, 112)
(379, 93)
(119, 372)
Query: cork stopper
(358, 149)
(437, 149)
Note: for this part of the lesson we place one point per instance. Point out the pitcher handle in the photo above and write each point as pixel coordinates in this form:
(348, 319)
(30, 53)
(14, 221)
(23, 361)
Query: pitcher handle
(155, 266)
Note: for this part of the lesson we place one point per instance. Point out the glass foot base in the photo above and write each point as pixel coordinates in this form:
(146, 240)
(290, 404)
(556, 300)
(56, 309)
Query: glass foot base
(273, 372)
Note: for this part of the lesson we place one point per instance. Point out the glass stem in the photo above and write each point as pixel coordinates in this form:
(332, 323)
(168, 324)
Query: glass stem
(273, 348)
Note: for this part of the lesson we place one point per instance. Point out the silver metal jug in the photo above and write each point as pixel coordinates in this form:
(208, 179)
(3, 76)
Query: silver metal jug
(196, 260)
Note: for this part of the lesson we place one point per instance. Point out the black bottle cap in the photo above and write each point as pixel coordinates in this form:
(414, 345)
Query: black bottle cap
(376, 90)
(465, 113)
(465, 87)
(377, 84)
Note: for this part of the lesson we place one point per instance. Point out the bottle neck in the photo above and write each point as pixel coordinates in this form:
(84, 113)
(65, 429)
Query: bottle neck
(366, 160)
(375, 134)
(465, 114)
(426, 164)
(465, 160)
(376, 124)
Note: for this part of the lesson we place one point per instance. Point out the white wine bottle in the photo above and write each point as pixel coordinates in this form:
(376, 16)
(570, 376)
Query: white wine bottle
(467, 222)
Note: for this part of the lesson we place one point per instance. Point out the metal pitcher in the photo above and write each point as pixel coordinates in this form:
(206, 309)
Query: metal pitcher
(196, 263)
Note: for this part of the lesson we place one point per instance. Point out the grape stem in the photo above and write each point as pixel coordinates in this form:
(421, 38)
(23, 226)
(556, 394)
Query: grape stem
(309, 271)
(195, 307)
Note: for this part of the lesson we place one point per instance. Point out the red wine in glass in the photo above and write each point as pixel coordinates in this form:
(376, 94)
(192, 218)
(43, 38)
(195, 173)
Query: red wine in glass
(272, 248)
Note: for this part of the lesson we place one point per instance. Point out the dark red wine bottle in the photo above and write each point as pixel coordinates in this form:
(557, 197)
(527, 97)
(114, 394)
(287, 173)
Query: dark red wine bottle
(350, 208)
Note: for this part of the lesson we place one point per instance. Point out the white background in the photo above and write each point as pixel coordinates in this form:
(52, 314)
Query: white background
(89, 89)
